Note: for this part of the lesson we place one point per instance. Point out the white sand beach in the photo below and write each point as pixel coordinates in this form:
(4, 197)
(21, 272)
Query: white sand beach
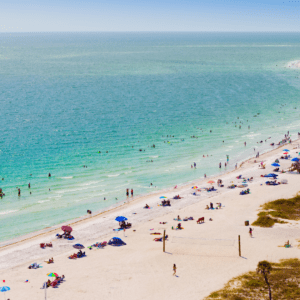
(206, 254)
(294, 64)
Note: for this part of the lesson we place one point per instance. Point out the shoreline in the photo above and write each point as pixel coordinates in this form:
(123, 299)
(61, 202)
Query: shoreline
(206, 252)
(85, 218)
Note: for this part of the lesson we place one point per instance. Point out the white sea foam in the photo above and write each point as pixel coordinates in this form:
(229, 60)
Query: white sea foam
(116, 175)
(67, 177)
(8, 212)
(42, 201)
(90, 183)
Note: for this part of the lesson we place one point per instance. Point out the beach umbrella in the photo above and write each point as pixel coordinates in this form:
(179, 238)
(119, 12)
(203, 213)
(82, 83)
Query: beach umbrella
(4, 289)
(275, 165)
(162, 197)
(194, 187)
(120, 219)
(286, 150)
(78, 246)
(211, 181)
(66, 228)
(273, 175)
(52, 275)
(295, 159)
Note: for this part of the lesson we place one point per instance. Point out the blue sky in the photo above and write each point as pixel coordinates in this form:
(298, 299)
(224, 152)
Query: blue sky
(152, 15)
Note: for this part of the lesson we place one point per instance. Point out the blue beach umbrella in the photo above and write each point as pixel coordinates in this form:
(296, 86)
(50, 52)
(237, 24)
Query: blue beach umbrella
(162, 197)
(275, 165)
(286, 150)
(4, 289)
(120, 219)
(295, 159)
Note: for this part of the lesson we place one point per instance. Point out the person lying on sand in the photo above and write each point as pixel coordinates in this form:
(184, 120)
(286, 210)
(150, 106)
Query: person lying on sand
(50, 261)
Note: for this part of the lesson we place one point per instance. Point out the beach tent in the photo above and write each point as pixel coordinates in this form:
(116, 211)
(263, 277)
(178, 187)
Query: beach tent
(115, 241)
(78, 246)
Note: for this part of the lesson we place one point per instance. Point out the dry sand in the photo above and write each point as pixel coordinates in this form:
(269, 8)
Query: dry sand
(206, 254)
(294, 64)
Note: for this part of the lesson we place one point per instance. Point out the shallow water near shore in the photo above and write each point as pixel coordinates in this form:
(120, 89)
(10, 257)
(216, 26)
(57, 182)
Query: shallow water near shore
(65, 97)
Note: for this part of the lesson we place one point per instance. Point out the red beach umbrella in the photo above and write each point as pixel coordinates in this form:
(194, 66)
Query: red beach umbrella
(66, 228)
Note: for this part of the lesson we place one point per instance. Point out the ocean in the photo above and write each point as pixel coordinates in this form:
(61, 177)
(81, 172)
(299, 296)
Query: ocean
(102, 100)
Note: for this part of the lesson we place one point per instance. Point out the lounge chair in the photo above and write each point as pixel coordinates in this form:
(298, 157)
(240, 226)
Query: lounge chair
(160, 239)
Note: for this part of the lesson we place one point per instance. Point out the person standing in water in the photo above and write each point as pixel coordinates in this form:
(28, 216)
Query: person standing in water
(19, 192)
(29, 185)
(195, 165)
(131, 192)
(127, 192)
(49, 175)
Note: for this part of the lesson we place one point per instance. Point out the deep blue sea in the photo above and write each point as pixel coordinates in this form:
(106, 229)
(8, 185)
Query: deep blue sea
(70, 100)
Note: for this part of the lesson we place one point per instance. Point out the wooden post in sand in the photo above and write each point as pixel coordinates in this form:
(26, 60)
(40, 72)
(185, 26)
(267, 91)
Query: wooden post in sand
(239, 245)
(164, 241)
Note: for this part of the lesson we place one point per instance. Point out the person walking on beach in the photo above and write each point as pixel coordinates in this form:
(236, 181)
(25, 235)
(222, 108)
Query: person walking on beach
(250, 231)
(174, 269)
(131, 192)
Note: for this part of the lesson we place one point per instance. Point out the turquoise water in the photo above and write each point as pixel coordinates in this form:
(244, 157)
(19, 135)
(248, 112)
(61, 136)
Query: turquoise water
(65, 97)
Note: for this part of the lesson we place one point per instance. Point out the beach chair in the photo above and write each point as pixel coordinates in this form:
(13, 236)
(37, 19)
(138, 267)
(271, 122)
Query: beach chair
(160, 239)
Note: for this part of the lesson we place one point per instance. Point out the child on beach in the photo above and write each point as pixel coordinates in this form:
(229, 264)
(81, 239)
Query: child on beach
(174, 269)
(250, 231)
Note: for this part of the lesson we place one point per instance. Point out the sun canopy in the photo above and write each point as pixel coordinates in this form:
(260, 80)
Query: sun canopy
(120, 219)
